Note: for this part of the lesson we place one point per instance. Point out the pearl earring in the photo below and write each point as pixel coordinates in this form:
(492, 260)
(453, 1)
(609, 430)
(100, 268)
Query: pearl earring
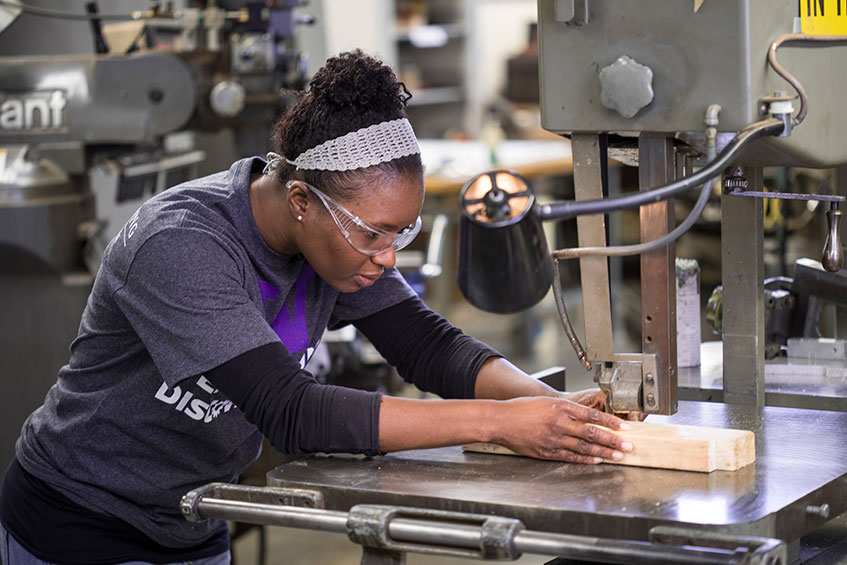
(299, 218)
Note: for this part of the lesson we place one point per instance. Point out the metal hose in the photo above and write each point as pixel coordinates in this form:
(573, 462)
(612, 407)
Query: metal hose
(571, 208)
(566, 321)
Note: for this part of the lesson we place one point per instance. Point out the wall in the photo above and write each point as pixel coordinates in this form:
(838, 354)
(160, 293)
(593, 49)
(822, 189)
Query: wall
(498, 29)
(366, 24)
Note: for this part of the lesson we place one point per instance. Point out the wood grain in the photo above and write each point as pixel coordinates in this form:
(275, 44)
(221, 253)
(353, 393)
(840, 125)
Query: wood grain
(662, 446)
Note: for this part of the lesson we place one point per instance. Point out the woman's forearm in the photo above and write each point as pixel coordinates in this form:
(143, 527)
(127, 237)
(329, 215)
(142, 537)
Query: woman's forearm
(500, 380)
(545, 427)
(406, 423)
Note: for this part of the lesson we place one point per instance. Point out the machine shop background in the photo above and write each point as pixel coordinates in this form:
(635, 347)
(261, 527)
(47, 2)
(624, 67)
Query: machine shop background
(472, 68)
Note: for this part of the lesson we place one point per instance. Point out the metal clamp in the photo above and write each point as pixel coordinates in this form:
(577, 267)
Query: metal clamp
(630, 382)
(369, 525)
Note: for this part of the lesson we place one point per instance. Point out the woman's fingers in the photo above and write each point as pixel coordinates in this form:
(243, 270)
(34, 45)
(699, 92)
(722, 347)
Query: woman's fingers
(554, 428)
(613, 449)
(594, 416)
(593, 398)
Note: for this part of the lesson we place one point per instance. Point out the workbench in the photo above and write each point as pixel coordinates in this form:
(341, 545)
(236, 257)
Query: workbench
(798, 482)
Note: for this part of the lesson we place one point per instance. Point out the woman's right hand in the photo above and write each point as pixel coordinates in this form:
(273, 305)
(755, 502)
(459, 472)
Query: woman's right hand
(547, 427)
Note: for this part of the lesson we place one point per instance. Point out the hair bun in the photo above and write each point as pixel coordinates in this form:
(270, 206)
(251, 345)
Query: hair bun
(357, 81)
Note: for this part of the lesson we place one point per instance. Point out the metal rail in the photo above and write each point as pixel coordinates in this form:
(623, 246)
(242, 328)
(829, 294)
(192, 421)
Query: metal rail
(389, 530)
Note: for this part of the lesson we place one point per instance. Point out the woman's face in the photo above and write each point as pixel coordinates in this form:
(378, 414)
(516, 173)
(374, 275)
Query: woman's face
(391, 205)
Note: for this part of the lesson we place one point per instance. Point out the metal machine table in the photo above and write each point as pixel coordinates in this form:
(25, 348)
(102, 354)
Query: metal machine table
(795, 383)
(801, 466)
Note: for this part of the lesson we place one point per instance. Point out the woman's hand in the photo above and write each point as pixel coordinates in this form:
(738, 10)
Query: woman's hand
(556, 428)
(513, 410)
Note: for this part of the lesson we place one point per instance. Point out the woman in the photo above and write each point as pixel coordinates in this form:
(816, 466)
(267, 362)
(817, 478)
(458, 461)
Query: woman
(204, 313)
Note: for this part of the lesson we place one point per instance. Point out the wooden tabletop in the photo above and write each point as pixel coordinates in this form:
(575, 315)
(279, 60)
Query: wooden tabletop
(450, 164)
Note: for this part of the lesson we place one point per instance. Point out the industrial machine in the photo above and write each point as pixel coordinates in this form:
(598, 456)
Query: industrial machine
(86, 138)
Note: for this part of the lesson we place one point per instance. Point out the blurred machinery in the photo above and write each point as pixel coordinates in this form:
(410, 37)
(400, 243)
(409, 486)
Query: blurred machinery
(84, 139)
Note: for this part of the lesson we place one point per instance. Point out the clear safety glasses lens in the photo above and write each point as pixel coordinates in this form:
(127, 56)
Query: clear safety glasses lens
(365, 238)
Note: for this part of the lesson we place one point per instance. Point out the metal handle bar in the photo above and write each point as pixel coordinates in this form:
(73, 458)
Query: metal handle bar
(401, 530)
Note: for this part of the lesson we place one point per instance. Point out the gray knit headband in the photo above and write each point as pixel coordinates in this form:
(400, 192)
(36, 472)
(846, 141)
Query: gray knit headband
(368, 146)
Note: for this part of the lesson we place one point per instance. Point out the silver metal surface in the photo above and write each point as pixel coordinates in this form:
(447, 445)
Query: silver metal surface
(801, 461)
(742, 276)
(573, 12)
(832, 257)
(129, 99)
(812, 349)
(788, 195)
(621, 382)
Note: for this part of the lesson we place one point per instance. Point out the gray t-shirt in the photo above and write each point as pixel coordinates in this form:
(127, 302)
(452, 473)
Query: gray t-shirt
(188, 284)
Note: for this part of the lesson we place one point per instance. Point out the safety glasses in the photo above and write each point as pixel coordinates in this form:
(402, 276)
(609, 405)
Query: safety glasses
(364, 237)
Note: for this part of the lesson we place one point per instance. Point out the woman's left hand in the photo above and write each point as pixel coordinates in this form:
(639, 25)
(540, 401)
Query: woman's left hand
(595, 398)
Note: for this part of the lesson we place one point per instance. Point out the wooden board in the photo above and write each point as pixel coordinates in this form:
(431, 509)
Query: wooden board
(684, 448)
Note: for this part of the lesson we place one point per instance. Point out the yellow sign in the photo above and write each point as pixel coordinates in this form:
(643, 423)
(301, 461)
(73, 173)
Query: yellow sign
(823, 17)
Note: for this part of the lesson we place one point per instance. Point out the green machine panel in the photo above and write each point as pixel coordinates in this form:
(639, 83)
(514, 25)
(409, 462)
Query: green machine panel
(630, 67)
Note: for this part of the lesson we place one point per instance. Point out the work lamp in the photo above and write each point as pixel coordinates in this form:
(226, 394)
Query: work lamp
(504, 263)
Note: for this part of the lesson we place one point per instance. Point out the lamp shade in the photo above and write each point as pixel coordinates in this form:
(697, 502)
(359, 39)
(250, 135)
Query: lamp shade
(504, 263)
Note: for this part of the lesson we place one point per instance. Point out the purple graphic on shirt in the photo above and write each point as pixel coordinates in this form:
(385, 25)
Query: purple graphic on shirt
(293, 331)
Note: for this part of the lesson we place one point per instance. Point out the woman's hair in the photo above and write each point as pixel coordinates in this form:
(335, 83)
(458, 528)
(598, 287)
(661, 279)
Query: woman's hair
(350, 92)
